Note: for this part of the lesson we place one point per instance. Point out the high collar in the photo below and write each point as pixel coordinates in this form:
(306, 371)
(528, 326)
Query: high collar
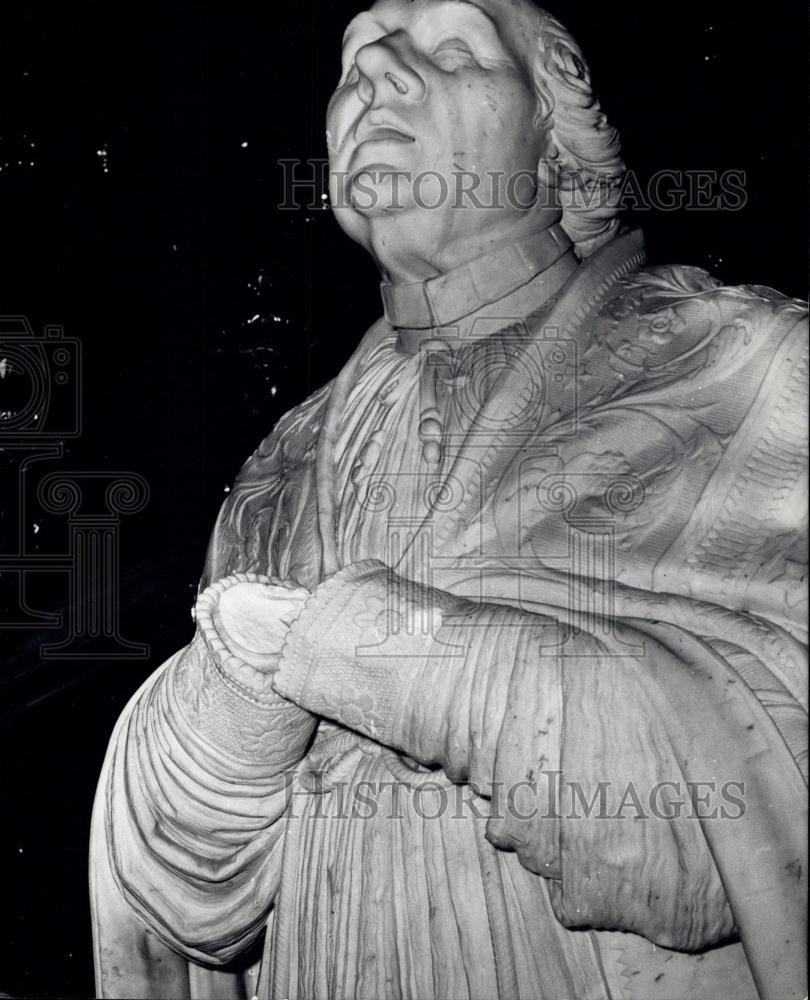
(449, 297)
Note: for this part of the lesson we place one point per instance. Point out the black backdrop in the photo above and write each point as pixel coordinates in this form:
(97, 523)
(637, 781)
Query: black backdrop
(134, 214)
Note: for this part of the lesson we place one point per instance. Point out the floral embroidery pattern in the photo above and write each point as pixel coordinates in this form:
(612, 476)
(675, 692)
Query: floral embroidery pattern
(355, 710)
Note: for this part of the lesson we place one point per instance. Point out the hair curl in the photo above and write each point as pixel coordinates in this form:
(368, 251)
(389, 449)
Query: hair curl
(582, 158)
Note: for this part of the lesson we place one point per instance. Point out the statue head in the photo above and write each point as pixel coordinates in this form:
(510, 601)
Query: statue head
(457, 125)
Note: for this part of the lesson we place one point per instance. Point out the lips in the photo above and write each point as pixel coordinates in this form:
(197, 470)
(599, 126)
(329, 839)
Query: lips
(384, 134)
(386, 131)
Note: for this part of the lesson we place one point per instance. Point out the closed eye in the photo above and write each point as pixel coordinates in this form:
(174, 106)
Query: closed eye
(453, 49)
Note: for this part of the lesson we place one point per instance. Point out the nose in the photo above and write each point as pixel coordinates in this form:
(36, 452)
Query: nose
(385, 71)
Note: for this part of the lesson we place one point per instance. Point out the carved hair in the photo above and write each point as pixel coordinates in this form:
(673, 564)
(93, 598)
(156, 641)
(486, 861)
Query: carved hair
(582, 159)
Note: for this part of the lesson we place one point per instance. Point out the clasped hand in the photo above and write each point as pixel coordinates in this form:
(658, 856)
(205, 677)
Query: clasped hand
(245, 619)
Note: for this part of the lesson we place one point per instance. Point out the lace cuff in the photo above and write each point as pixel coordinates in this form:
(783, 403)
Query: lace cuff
(229, 702)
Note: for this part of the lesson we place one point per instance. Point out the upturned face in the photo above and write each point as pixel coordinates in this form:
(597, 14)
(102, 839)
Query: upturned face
(433, 112)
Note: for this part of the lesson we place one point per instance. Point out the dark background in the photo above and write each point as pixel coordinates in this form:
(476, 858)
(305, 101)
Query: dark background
(133, 214)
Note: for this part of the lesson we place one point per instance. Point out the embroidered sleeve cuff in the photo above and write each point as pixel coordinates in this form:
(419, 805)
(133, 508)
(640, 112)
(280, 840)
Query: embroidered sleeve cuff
(359, 647)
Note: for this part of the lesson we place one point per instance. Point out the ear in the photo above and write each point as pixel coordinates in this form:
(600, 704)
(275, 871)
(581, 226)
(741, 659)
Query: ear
(558, 71)
(564, 63)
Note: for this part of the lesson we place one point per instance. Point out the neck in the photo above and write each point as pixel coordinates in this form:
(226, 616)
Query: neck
(427, 245)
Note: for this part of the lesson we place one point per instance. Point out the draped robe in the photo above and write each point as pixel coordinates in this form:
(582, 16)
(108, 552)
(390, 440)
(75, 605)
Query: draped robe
(564, 559)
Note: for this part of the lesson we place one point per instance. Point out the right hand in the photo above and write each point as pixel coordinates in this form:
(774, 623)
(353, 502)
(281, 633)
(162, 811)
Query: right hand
(244, 620)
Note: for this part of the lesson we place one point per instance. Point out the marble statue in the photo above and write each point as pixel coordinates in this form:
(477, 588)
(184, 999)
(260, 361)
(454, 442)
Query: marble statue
(498, 682)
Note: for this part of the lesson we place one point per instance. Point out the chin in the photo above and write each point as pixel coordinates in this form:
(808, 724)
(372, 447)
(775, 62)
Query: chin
(372, 190)
(353, 225)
